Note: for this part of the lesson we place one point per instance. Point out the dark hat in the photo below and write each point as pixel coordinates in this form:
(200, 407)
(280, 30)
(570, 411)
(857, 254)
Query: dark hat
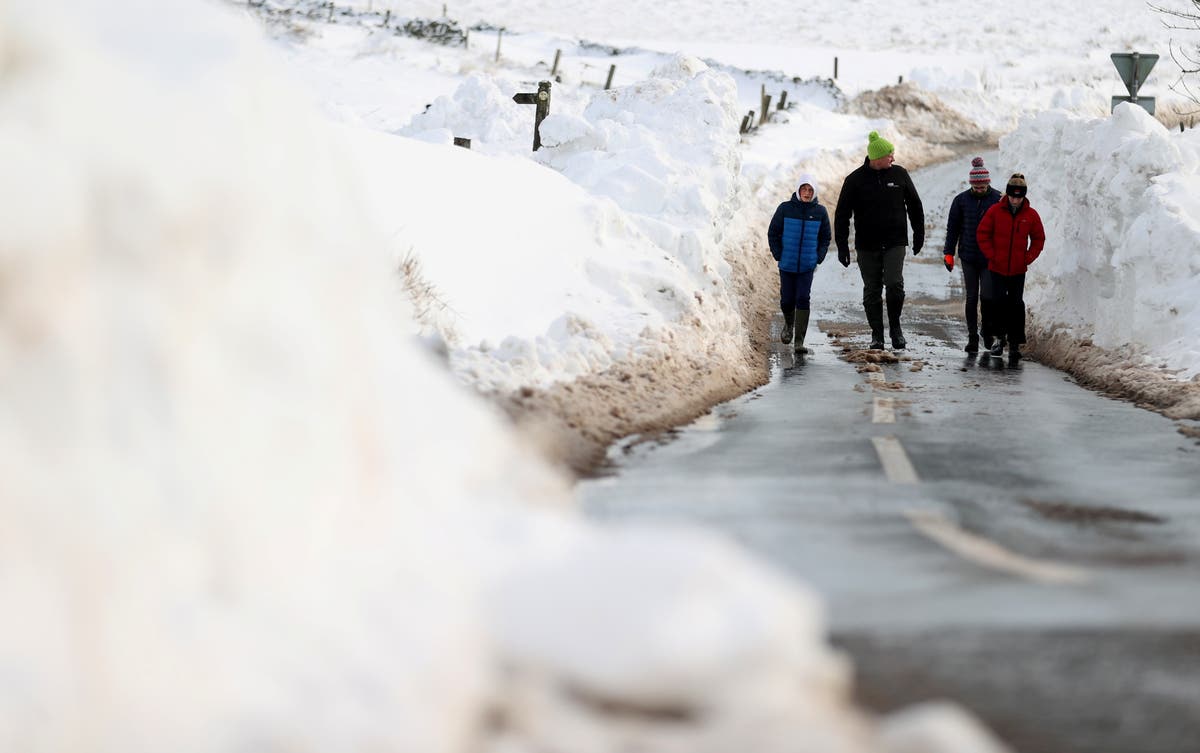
(1017, 186)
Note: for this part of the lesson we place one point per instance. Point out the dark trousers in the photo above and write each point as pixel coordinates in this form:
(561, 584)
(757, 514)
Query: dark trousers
(1005, 309)
(971, 276)
(882, 270)
(879, 270)
(794, 290)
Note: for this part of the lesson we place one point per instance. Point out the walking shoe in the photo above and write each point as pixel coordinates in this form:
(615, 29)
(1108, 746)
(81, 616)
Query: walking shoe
(785, 334)
(998, 349)
(800, 349)
(972, 343)
(876, 342)
(898, 342)
(1014, 355)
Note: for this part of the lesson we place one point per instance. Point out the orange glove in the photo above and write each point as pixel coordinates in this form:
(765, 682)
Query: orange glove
(949, 261)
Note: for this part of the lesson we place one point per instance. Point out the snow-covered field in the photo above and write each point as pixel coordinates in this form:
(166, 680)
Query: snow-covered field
(247, 507)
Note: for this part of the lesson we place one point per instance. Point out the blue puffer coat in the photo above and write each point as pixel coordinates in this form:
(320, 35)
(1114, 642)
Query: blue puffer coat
(799, 233)
(966, 211)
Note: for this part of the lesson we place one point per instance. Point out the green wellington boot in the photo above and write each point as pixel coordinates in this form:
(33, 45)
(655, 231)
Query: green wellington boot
(801, 329)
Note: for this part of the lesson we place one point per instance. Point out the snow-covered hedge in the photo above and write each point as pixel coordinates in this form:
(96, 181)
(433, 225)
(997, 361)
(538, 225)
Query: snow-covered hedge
(624, 258)
(1120, 199)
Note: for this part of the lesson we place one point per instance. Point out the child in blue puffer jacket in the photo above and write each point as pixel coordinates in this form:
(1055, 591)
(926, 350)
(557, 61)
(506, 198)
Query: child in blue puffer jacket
(799, 237)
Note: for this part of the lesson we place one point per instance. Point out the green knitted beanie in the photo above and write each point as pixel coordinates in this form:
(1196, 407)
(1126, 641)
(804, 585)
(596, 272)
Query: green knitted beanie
(878, 146)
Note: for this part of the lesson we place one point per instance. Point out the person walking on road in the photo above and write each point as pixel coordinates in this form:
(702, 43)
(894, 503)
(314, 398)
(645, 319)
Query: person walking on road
(799, 239)
(1011, 237)
(966, 211)
(879, 195)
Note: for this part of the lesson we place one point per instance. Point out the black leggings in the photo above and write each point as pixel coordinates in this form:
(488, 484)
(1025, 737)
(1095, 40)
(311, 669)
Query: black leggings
(1006, 294)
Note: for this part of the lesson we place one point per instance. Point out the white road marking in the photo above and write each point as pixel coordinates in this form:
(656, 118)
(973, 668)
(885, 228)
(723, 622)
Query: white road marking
(988, 553)
(885, 410)
(895, 460)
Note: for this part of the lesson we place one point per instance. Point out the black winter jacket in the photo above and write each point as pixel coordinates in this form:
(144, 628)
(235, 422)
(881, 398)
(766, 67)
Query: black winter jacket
(879, 201)
(966, 211)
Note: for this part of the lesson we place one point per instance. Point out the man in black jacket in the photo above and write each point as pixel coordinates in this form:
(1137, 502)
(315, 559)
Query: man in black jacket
(880, 195)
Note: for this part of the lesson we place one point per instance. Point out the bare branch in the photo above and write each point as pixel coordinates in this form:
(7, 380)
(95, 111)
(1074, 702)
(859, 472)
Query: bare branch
(1185, 57)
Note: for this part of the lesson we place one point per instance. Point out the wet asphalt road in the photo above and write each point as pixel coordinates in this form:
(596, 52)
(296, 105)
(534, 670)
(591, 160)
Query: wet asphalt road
(997, 536)
(1037, 559)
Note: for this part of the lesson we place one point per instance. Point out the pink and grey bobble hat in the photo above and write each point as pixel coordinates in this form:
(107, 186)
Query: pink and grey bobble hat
(979, 175)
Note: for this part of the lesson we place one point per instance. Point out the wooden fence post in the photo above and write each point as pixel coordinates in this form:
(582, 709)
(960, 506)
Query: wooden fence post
(608, 81)
(766, 109)
(499, 36)
(782, 99)
(387, 17)
(464, 143)
(557, 57)
(835, 66)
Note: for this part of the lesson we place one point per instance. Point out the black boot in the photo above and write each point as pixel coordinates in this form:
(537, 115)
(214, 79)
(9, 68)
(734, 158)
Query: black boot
(801, 329)
(1014, 354)
(894, 307)
(875, 319)
(972, 343)
(998, 349)
(789, 321)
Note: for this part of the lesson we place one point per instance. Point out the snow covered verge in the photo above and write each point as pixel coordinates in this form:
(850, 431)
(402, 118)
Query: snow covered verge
(244, 510)
(605, 295)
(1112, 299)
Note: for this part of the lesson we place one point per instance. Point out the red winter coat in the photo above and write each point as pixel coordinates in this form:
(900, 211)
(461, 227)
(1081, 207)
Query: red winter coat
(1010, 242)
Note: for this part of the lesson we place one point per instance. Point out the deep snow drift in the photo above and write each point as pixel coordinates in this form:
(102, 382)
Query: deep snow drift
(1114, 298)
(1120, 199)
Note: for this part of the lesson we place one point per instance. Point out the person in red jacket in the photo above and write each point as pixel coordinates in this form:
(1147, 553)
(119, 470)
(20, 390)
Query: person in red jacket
(1010, 236)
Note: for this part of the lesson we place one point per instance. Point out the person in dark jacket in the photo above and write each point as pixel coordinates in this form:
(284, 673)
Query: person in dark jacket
(799, 239)
(966, 211)
(1011, 237)
(879, 195)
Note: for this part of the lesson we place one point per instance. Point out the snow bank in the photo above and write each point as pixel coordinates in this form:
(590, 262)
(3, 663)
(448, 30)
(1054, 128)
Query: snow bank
(1119, 197)
(622, 259)
(218, 515)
